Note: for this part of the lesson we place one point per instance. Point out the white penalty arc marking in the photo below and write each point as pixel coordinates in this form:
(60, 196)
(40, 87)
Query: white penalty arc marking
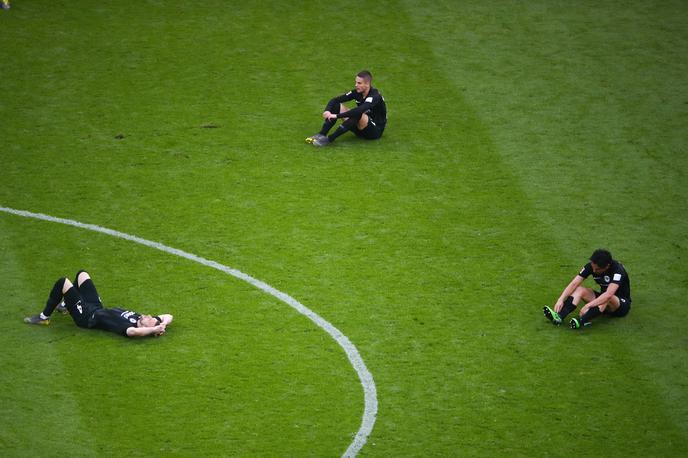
(364, 375)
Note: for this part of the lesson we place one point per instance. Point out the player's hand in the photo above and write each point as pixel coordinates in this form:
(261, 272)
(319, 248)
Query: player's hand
(602, 307)
(332, 117)
(159, 330)
(326, 115)
(558, 306)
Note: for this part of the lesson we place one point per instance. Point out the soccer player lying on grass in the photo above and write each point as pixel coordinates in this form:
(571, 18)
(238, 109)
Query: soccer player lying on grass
(83, 303)
(614, 299)
(367, 120)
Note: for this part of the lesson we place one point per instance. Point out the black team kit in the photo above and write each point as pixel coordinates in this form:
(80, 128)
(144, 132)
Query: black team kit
(86, 309)
(372, 104)
(615, 273)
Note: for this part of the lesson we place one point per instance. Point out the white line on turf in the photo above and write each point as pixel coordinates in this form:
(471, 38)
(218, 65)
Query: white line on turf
(366, 378)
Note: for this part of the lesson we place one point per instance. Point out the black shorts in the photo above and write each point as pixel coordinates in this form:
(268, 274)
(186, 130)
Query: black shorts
(82, 302)
(88, 292)
(624, 306)
(372, 131)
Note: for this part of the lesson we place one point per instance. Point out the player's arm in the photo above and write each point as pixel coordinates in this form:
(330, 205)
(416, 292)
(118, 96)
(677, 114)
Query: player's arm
(334, 103)
(369, 103)
(165, 319)
(146, 331)
(603, 299)
(570, 288)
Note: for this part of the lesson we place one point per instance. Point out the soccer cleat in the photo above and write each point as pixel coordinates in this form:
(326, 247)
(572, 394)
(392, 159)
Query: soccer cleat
(36, 319)
(574, 323)
(551, 315)
(322, 141)
(313, 138)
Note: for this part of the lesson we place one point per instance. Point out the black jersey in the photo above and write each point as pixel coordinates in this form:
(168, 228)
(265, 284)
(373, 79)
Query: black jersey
(372, 104)
(87, 311)
(616, 273)
(114, 320)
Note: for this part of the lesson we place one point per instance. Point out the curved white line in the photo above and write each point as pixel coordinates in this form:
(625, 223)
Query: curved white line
(366, 378)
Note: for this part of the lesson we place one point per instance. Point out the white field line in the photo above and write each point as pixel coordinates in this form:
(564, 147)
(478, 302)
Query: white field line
(366, 378)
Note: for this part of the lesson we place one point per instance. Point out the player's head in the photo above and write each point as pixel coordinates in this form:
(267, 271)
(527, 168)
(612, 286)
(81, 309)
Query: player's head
(146, 321)
(363, 81)
(600, 259)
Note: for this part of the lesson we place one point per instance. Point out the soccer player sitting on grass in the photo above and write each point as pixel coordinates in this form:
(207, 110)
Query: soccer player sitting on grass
(83, 303)
(614, 299)
(367, 120)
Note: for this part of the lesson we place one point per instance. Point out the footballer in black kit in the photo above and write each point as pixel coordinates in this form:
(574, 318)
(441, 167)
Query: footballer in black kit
(615, 273)
(614, 297)
(367, 120)
(82, 302)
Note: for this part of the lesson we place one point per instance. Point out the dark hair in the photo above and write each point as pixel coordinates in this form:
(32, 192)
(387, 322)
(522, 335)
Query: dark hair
(601, 257)
(366, 75)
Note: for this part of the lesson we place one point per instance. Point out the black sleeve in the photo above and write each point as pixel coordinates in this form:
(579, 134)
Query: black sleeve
(369, 103)
(617, 276)
(586, 271)
(337, 100)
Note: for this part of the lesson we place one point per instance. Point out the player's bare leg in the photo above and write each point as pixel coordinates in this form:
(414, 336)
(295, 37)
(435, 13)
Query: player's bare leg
(587, 294)
(613, 304)
(82, 277)
(558, 314)
(587, 314)
(363, 122)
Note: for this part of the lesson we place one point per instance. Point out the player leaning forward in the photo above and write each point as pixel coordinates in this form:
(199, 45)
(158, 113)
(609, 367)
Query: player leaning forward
(86, 309)
(614, 297)
(367, 120)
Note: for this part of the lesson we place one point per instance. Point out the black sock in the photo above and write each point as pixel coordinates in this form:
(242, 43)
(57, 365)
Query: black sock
(590, 314)
(55, 297)
(567, 308)
(342, 129)
(327, 125)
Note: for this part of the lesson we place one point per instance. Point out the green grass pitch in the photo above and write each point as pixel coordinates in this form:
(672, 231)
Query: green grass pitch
(521, 136)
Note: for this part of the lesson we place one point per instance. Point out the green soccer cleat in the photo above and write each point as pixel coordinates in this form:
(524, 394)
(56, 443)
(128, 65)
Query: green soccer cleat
(36, 319)
(551, 315)
(576, 323)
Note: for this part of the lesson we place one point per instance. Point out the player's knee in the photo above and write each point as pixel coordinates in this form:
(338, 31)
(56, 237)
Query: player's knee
(66, 284)
(82, 276)
(580, 291)
(363, 122)
(613, 303)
